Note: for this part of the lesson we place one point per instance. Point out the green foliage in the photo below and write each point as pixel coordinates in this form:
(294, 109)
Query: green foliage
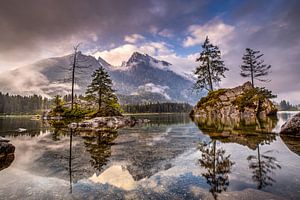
(252, 96)
(100, 91)
(211, 98)
(253, 66)
(58, 105)
(75, 113)
(247, 99)
(211, 67)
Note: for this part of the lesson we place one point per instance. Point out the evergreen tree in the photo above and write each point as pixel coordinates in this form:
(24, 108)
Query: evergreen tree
(100, 91)
(253, 66)
(58, 103)
(211, 67)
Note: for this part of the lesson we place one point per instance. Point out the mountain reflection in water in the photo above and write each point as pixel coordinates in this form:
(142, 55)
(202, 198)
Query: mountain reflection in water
(169, 158)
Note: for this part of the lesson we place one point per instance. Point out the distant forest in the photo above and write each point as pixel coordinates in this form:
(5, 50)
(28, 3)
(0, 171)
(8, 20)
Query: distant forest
(16, 104)
(158, 108)
(287, 106)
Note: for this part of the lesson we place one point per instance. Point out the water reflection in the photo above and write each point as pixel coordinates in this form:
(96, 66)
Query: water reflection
(217, 165)
(117, 176)
(98, 144)
(152, 161)
(70, 158)
(6, 160)
(262, 166)
(292, 143)
(249, 133)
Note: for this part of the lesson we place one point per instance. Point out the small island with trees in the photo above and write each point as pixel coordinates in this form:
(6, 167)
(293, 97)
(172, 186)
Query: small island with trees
(246, 101)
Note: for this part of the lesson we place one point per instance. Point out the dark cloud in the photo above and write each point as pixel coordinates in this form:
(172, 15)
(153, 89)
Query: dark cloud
(276, 34)
(36, 25)
(33, 29)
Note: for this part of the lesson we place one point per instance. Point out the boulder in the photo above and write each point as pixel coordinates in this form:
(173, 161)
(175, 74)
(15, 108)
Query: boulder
(6, 153)
(107, 122)
(292, 126)
(240, 102)
(6, 148)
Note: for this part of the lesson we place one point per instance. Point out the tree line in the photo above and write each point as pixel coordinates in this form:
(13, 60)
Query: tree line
(17, 104)
(158, 108)
(287, 106)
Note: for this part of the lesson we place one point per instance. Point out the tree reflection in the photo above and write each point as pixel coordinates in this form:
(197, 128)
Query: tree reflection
(70, 159)
(98, 144)
(263, 165)
(217, 165)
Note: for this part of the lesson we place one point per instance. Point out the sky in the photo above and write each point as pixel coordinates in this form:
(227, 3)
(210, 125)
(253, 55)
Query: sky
(171, 30)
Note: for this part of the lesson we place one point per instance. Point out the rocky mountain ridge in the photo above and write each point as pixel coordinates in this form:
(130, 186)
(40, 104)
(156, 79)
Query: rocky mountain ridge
(141, 77)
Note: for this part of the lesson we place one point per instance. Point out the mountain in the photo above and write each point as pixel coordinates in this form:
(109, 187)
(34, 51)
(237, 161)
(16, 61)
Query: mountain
(141, 79)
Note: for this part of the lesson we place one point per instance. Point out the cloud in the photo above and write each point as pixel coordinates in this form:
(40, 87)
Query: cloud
(151, 87)
(35, 29)
(217, 31)
(30, 81)
(39, 29)
(166, 33)
(134, 38)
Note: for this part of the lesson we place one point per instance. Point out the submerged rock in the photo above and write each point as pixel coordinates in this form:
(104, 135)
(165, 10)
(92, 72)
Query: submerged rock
(292, 126)
(239, 102)
(107, 122)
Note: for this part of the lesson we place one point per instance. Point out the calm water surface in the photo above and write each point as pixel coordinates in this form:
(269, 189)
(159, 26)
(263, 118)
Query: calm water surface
(170, 158)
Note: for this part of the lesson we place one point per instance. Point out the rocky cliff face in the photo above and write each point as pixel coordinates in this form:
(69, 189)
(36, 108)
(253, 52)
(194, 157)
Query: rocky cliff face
(239, 102)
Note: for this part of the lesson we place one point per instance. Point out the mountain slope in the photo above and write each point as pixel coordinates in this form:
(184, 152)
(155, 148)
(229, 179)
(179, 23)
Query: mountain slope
(141, 77)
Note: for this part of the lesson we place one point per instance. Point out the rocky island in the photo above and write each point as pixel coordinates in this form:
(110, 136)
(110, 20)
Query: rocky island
(243, 101)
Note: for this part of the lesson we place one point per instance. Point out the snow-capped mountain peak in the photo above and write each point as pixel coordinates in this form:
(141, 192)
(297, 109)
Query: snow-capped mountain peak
(139, 58)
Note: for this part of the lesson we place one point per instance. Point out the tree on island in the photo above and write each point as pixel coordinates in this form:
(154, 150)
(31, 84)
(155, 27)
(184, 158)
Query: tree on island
(58, 104)
(253, 66)
(211, 67)
(100, 91)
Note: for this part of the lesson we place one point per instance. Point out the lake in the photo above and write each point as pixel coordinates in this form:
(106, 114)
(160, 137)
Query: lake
(171, 157)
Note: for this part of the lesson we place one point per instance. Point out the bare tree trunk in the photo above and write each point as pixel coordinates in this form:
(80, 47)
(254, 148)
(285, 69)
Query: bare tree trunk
(73, 75)
(100, 99)
(252, 76)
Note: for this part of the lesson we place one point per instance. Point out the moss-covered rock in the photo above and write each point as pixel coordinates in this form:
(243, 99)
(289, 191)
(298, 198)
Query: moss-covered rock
(242, 101)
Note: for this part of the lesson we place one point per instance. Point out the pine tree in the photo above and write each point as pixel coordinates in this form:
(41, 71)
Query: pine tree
(211, 67)
(100, 91)
(253, 66)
